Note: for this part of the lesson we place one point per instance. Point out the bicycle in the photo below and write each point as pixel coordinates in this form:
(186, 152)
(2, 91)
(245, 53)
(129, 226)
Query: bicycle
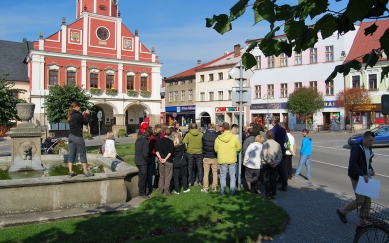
(377, 227)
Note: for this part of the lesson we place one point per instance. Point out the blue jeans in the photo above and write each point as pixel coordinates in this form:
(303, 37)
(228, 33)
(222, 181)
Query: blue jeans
(76, 145)
(304, 159)
(231, 168)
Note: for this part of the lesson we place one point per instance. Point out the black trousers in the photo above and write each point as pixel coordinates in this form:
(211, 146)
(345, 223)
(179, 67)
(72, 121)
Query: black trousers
(270, 178)
(177, 173)
(142, 179)
(195, 163)
(288, 165)
(282, 173)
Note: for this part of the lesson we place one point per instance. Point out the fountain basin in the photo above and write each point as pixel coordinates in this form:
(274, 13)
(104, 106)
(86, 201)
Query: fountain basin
(42, 194)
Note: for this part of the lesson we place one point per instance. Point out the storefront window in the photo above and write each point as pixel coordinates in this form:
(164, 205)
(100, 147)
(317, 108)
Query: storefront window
(300, 119)
(219, 119)
(335, 117)
(357, 117)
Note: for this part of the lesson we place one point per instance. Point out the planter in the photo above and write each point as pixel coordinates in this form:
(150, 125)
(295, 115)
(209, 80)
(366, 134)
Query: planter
(132, 93)
(95, 91)
(25, 111)
(145, 93)
(111, 91)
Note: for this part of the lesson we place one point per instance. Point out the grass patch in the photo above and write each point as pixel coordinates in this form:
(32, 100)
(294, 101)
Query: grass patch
(188, 217)
(124, 150)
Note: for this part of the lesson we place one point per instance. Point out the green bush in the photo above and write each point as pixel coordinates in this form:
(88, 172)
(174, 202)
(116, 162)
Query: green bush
(86, 135)
(132, 93)
(62, 144)
(121, 133)
(111, 91)
(145, 93)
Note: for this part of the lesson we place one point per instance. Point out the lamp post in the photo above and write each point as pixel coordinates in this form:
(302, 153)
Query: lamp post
(267, 97)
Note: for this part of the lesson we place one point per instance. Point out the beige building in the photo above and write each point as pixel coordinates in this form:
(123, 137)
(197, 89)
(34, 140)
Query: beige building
(214, 87)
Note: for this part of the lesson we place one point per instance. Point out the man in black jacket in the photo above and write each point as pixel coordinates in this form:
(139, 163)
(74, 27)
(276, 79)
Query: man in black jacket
(360, 161)
(142, 160)
(210, 158)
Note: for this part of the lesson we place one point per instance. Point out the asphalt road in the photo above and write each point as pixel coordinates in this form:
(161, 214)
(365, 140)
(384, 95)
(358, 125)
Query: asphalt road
(329, 163)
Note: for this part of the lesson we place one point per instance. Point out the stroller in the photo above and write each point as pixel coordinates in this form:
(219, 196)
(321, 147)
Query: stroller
(48, 146)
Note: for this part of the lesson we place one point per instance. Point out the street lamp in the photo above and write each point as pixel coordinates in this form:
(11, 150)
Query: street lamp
(268, 117)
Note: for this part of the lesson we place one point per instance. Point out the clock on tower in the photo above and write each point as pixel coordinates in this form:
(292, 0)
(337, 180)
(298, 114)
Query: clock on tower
(115, 2)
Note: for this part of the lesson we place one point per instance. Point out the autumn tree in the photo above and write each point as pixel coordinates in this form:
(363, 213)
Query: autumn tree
(9, 99)
(61, 97)
(350, 98)
(305, 101)
(301, 33)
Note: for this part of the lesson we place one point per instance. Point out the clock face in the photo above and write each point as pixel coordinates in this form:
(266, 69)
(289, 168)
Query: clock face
(115, 2)
(102, 33)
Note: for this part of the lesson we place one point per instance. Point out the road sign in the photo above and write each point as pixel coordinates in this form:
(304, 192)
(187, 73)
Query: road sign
(99, 115)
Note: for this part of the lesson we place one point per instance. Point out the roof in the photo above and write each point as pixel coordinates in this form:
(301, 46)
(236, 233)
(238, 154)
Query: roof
(364, 44)
(12, 57)
(226, 59)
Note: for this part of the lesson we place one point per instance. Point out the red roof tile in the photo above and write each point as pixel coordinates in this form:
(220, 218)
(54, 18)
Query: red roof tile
(364, 44)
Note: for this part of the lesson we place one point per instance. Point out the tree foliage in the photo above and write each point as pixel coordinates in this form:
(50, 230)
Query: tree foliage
(8, 100)
(305, 101)
(60, 98)
(301, 35)
(350, 98)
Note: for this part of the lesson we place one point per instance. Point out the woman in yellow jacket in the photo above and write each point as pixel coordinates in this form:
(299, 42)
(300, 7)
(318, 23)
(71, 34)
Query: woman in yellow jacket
(226, 147)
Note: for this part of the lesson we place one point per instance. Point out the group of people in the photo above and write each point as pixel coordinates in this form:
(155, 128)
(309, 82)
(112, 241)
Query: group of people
(189, 159)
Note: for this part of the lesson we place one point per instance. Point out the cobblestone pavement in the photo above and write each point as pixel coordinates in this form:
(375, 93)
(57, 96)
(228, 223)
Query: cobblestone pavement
(312, 211)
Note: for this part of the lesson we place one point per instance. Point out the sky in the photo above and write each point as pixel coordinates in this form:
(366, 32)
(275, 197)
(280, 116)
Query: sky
(175, 28)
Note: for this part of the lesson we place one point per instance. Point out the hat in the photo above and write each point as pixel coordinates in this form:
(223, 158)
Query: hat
(147, 119)
(143, 127)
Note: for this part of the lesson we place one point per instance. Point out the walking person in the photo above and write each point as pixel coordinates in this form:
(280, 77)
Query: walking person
(252, 162)
(142, 160)
(75, 138)
(271, 156)
(289, 153)
(164, 150)
(193, 140)
(179, 163)
(210, 158)
(281, 138)
(305, 155)
(361, 156)
(226, 147)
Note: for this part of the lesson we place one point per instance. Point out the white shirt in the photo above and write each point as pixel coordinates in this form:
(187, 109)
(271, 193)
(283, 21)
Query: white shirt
(110, 150)
(252, 158)
(291, 141)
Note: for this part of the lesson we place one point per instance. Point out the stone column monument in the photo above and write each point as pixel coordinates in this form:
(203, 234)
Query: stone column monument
(25, 141)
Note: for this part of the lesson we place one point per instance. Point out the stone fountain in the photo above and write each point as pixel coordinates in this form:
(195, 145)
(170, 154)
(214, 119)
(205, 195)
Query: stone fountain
(25, 141)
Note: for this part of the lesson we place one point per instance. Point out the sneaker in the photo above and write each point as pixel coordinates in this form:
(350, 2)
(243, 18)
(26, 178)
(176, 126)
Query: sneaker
(187, 190)
(88, 174)
(342, 217)
(214, 190)
(177, 193)
(204, 190)
(71, 174)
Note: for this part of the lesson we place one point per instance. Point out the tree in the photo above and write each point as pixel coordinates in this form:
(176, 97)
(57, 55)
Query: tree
(61, 97)
(301, 35)
(305, 101)
(350, 98)
(8, 100)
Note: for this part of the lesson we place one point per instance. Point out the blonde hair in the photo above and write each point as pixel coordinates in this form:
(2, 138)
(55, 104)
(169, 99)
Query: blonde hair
(176, 138)
(110, 135)
(235, 131)
(259, 139)
(157, 130)
(71, 108)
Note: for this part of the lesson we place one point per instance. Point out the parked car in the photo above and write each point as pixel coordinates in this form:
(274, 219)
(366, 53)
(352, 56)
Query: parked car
(381, 137)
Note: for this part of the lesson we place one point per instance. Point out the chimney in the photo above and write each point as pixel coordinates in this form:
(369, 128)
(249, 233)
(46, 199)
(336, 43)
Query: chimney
(198, 62)
(236, 50)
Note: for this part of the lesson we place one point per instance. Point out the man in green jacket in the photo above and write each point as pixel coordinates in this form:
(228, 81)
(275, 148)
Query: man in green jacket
(227, 145)
(194, 141)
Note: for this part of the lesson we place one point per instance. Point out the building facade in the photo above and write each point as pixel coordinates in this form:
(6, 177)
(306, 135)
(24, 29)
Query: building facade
(368, 115)
(276, 78)
(98, 52)
(214, 90)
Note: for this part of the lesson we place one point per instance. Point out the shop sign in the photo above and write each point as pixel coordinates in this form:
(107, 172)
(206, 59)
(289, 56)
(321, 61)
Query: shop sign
(188, 108)
(370, 107)
(329, 103)
(178, 109)
(228, 109)
(268, 106)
